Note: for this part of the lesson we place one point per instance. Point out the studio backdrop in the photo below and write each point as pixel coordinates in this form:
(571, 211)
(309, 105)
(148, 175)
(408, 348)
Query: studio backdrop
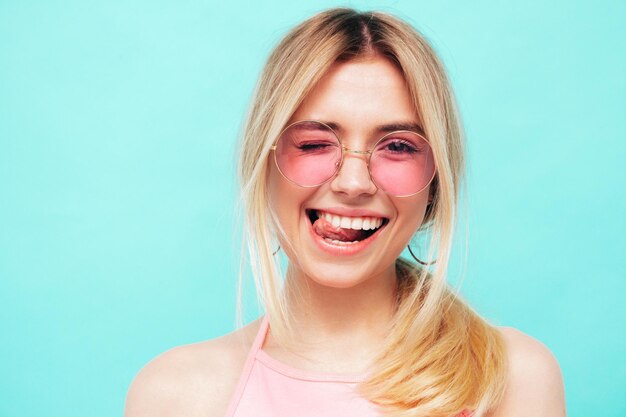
(119, 238)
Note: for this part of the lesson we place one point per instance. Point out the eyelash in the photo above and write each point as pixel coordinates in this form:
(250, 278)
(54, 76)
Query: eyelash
(312, 146)
(410, 147)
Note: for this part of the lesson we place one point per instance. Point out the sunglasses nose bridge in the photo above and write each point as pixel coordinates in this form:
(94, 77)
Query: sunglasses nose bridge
(366, 154)
(350, 176)
(356, 151)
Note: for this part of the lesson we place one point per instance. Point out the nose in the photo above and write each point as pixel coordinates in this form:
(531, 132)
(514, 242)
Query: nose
(353, 178)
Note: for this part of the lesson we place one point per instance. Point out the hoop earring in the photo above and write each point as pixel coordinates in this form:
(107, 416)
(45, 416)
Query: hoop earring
(276, 251)
(419, 261)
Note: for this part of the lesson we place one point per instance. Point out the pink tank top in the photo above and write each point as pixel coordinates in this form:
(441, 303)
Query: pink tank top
(270, 388)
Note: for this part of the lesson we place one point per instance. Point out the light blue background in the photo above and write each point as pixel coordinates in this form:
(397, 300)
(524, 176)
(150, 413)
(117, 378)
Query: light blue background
(118, 123)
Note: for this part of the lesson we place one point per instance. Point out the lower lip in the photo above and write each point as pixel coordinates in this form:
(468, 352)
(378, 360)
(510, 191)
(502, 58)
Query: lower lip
(344, 249)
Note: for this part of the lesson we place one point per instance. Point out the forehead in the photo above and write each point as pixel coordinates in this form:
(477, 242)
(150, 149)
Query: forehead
(360, 94)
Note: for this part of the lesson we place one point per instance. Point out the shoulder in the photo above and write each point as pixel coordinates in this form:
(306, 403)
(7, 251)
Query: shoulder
(534, 385)
(190, 380)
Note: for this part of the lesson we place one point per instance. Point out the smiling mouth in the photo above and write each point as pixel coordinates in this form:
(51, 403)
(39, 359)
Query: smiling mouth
(344, 230)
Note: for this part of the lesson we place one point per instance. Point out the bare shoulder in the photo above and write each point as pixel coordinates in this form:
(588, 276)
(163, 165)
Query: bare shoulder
(534, 383)
(191, 380)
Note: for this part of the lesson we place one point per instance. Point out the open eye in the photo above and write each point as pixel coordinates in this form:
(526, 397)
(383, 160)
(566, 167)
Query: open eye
(401, 146)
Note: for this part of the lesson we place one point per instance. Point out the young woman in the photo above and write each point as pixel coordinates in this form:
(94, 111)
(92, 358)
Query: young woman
(353, 147)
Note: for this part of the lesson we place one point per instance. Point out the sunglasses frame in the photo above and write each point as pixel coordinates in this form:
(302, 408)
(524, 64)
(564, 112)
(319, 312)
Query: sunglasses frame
(344, 150)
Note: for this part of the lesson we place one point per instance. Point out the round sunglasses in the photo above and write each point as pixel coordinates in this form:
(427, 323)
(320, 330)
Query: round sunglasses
(309, 153)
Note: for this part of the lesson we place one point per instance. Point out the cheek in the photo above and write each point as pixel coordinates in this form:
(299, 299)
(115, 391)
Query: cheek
(276, 195)
(273, 185)
(284, 200)
(412, 211)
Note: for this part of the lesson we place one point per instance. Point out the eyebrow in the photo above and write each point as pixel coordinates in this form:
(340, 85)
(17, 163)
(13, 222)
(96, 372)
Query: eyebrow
(314, 125)
(382, 129)
(386, 128)
(393, 127)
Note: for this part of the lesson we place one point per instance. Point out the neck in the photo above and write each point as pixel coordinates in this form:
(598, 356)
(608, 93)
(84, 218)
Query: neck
(318, 307)
(345, 324)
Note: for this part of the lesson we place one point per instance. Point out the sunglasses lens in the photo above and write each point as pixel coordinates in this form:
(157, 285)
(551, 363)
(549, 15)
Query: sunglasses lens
(402, 163)
(308, 153)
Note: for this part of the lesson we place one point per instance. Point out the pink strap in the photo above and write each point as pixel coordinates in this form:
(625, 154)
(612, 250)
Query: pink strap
(255, 352)
(247, 369)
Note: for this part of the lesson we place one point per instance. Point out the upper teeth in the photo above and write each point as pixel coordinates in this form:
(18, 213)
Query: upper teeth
(356, 223)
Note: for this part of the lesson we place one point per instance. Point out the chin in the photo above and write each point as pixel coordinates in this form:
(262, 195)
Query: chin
(339, 275)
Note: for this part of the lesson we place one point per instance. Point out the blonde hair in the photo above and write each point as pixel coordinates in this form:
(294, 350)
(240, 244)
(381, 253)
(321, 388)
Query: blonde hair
(440, 357)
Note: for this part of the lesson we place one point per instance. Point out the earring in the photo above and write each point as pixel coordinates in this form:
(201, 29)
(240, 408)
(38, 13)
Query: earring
(276, 251)
(419, 261)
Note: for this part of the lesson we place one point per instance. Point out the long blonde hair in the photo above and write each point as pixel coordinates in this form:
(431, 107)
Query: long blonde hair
(440, 357)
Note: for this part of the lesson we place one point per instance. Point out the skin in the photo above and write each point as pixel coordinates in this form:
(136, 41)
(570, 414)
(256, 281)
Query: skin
(359, 288)
(344, 306)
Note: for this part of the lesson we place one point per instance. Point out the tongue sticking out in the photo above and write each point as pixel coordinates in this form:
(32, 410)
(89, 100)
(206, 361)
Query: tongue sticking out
(326, 230)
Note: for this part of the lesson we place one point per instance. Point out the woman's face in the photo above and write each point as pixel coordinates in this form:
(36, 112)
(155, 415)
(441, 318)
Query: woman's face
(360, 99)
